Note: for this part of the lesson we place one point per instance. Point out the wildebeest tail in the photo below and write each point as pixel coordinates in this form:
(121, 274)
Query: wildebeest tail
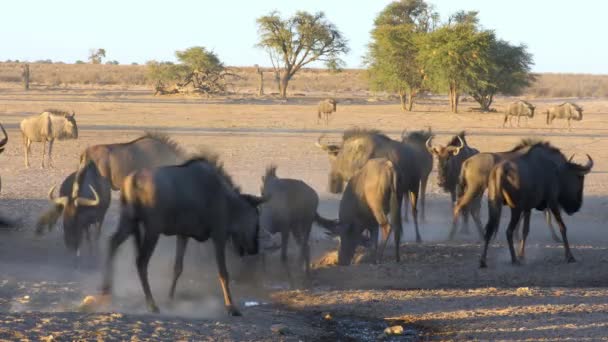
(395, 206)
(128, 195)
(495, 201)
(464, 195)
(328, 224)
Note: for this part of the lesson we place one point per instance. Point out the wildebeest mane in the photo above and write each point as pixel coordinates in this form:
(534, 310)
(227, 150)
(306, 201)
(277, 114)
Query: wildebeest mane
(57, 112)
(535, 143)
(271, 171)
(572, 104)
(212, 159)
(420, 136)
(361, 132)
(163, 138)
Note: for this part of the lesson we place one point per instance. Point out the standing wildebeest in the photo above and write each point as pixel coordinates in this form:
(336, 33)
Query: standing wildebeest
(49, 125)
(519, 108)
(291, 208)
(357, 147)
(450, 159)
(87, 209)
(540, 178)
(326, 107)
(370, 194)
(473, 181)
(196, 200)
(566, 110)
(424, 161)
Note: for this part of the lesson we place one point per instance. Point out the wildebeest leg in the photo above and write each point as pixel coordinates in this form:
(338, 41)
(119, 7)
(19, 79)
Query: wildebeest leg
(301, 234)
(474, 211)
(518, 119)
(454, 216)
(284, 261)
(465, 220)
(26, 146)
(43, 153)
(562, 229)
(515, 216)
(423, 183)
(125, 228)
(406, 209)
(526, 230)
(143, 258)
(504, 122)
(220, 258)
(551, 228)
(414, 203)
(50, 158)
(180, 251)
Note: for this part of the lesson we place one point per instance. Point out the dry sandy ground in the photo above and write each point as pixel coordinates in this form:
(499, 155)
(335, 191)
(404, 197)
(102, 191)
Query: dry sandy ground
(436, 292)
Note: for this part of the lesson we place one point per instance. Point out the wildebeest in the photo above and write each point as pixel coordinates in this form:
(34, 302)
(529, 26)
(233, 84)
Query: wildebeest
(196, 199)
(360, 145)
(540, 178)
(518, 109)
(87, 209)
(3, 143)
(49, 125)
(370, 194)
(566, 110)
(473, 181)
(450, 159)
(326, 107)
(424, 161)
(290, 210)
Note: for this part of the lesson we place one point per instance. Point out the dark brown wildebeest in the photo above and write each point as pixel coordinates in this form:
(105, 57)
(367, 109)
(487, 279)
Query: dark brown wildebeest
(370, 194)
(326, 107)
(450, 159)
(540, 178)
(360, 145)
(566, 110)
(79, 213)
(424, 161)
(518, 109)
(49, 125)
(196, 200)
(473, 181)
(291, 209)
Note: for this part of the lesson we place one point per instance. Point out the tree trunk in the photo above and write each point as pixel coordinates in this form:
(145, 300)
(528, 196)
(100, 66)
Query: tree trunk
(402, 100)
(261, 85)
(453, 97)
(26, 76)
(410, 102)
(283, 85)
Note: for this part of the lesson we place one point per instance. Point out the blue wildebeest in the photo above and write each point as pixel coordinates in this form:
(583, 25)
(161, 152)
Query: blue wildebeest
(424, 161)
(87, 209)
(49, 125)
(518, 109)
(450, 159)
(196, 200)
(325, 108)
(540, 178)
(473, 181)
(291, 209)
(370, 198)
(566, 110)
(360, 145)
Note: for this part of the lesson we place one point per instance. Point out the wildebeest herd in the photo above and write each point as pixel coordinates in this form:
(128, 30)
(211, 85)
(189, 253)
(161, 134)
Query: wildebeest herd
(166, 191)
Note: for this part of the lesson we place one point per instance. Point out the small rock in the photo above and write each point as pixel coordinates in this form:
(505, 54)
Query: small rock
(394, 330)
(279, 329)
(327, 316)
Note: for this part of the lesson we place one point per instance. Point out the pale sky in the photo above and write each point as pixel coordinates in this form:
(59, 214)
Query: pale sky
(564, 36)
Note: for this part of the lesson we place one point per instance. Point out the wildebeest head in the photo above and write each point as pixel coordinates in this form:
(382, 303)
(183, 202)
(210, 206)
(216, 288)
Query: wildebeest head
(75, 216)
(572, 179)
(70, 128)
(336, 179)
(530, 107)
(349, 241)
(3, 141)
(245, 238)
(444, 154)
(579, 110)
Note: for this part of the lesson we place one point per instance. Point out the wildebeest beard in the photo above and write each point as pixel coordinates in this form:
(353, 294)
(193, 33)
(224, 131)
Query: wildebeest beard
(336, 183)
(442, 172)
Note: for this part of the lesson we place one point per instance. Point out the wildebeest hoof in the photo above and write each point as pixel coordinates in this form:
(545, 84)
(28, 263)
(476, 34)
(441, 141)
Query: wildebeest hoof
(153, 308)
(482, 264)
(232, 311)
(570, 259)
(516, 263)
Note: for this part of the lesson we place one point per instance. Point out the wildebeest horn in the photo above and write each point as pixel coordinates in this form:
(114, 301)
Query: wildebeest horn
(321, 145)
(589, 165)
(428, 143)
(87, 202)
(456, 149)
(403, 133)
(571, 157)
(62, 201)
(3, 141)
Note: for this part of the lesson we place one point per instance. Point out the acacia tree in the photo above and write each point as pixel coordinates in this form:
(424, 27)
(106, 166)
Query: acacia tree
(392, 57)
(95, 56)
(508, 74)
(297, 41)
(457, 55)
